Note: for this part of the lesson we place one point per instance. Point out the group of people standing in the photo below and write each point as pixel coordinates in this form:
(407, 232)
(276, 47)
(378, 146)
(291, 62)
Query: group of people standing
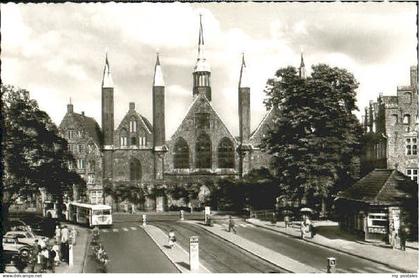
(306, 227)
(398, 238)
(47, 255)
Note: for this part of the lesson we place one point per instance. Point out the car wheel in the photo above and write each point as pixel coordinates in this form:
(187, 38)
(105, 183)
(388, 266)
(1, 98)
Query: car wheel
(24, 253)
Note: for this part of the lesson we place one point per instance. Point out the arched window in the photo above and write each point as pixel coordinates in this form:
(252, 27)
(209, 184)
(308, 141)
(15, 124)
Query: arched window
(133, 125)
(203, 151)
(135, 170)
(123, 137)
(181, 154)
(406, 119)
(226, 154)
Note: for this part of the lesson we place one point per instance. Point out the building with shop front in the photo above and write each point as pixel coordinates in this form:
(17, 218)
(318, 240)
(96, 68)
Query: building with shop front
(373, 206)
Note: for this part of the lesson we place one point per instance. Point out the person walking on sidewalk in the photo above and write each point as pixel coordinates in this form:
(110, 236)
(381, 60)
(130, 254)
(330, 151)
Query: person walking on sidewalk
(65, 244)
(56, 248)
(73, 235)
(51, 258)
(44, 259)
(403, 237)
(171, 239)
(231, 225)
(35, 255)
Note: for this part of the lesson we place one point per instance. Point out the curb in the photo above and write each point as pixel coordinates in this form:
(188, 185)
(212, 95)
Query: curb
(336, 249)
(197, 224)
(161, 250)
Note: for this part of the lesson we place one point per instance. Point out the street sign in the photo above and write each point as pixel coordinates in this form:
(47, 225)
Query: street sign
(206, 214)
(194, 256)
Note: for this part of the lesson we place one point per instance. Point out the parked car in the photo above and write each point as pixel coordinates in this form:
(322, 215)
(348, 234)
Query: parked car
(12, 247)
(17, 225)
(25, 237)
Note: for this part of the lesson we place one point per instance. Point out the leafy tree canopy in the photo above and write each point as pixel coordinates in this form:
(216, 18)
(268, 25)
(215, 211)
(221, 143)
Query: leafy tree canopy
(315, 138)
(34, 154)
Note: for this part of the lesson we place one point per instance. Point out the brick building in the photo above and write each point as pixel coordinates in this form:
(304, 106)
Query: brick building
(201, 149)
(391, 131)
(85, 143)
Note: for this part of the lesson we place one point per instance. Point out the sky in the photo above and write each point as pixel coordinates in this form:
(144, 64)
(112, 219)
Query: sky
(57, 51)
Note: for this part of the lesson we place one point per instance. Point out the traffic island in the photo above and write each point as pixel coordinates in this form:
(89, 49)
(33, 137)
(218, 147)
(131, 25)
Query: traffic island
(177, 255)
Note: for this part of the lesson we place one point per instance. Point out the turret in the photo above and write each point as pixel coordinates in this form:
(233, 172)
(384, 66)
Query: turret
(413, 76)
(158, 106)
(201, 74)
(244, 104)
(159, 147)
(107, 105)
(302, 70)
(70, 107)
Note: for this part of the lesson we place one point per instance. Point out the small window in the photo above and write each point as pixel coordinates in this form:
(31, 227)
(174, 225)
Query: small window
(407, 98)
(80, 148)
(81, 164)
(412, 173)
(411, 146)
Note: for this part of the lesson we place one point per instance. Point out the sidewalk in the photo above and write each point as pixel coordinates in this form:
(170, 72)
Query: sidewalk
(178, 256)
(258, 250)
(403, 261)
(79, 252)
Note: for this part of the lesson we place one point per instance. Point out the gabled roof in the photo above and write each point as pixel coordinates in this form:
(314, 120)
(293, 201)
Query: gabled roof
(143, 120)
(379, 187)
(191, 107)
(88, 124)
(266, 120)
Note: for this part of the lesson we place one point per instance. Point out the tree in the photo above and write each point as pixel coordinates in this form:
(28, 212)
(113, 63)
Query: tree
(315, 138)
(34, 154)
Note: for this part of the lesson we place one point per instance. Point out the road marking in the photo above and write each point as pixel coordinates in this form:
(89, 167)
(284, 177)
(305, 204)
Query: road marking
(115, 230)
(125, 229)
(133, 228)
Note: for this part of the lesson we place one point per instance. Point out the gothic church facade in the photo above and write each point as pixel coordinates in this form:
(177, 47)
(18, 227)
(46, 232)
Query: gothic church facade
(202, 147)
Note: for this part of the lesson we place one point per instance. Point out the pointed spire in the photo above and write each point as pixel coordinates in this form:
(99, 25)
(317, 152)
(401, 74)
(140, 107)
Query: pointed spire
(243, 79)
(107, 79)
(201, 64)
(158, 77)
(302, 71)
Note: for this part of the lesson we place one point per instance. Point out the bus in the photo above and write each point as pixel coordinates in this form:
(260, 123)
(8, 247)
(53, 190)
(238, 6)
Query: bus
(88, 214)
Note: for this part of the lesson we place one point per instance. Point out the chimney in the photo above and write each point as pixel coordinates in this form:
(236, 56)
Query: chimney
(132, 106)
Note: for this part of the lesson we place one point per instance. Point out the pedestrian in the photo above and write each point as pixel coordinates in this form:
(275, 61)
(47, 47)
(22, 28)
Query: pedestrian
(302, 229)
(44, 259)
(57, 233)
(65, 244)
(286, 221)
(56, 248)
(51, 259)
(312, 229)
(73, 235)
(35, 255)
(403, 237)
(231, 225)
(171, 239)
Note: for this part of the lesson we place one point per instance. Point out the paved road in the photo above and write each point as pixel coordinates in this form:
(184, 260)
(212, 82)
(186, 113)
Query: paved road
(216, 254)
(131, 250)
(310, 254)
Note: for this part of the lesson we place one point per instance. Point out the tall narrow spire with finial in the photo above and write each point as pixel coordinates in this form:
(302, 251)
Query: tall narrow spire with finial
(243, 78)
(201, 74)
(158, 76)
(107, 79)
(302, 70)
